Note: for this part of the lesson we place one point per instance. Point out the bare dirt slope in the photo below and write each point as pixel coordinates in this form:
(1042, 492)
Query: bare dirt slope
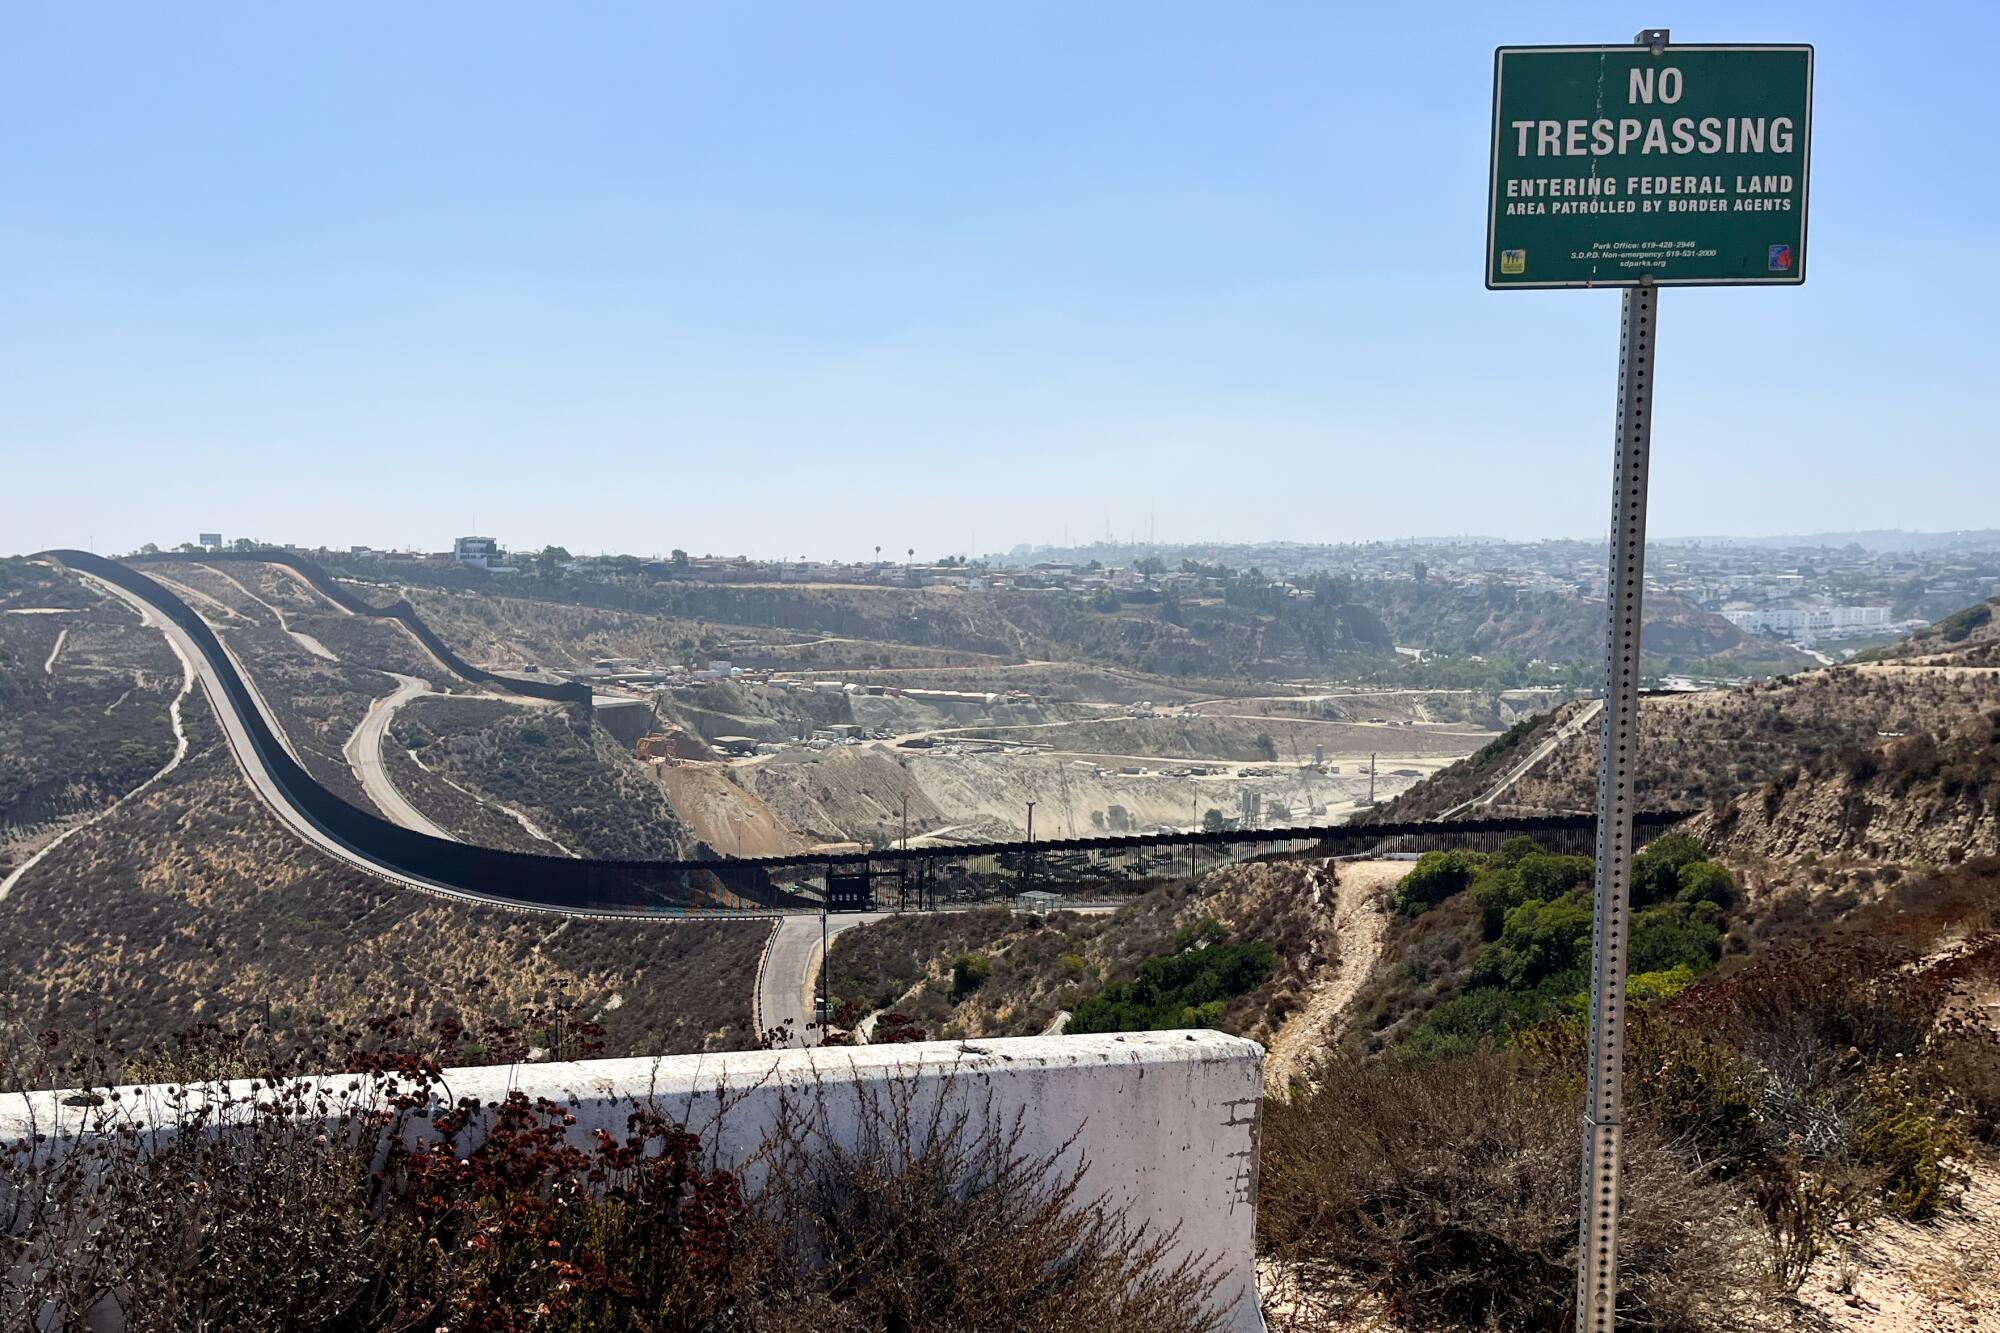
(837, 795)
(725, 816)
(1361, 890)
(1237, 739)
(1908, 1277)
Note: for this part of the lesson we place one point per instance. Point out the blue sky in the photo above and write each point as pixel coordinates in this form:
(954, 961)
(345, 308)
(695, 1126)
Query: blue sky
(792, 279)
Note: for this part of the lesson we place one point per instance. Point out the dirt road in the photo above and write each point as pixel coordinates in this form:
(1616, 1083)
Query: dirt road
(146, 617)
(363, 753)
(1584, 717)
(1359, 923)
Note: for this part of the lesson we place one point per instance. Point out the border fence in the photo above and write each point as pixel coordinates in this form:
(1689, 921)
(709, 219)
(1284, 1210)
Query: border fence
(909, 878)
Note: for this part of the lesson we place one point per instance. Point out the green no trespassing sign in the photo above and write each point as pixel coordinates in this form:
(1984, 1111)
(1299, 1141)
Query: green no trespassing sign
(1612, 163)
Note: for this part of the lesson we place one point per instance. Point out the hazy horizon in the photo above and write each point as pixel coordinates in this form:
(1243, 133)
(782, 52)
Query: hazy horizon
(806, 281)
(1918, 540)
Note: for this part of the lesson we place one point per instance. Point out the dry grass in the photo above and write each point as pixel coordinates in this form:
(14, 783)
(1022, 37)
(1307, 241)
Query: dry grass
(192, 905)
(1446, 1193)
(357, 1207)
(1710, 746)
(577, 784)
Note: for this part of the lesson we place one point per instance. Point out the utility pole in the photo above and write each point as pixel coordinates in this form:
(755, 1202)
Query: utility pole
(1028, 857)
(825, 996)
(1194, 828)
(1371, 779)
(903, 867)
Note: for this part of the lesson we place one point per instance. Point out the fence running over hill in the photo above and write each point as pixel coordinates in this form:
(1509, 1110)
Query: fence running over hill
(399, 611)
(1079, 869)
(915, 877)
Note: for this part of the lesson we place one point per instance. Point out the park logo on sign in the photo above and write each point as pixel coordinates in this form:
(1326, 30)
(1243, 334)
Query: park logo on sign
(1781, 258)
(1516, 261)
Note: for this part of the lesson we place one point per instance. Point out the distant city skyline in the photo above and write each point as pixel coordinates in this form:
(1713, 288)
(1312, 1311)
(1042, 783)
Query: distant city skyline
(806, 279)
(1880, 540)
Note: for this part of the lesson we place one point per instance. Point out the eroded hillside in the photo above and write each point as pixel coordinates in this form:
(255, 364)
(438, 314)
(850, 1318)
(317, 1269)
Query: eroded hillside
(191, 904)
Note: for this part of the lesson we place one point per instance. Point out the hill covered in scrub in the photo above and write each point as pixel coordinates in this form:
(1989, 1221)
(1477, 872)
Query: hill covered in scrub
(1499, 620)
(995, 973)
(192, 905)
(1826, 1100)
(1241, 625)
(85, 691)
(1707, 747)
(575, 785)
(563, 622)
(1970, 637)
(1926, 796)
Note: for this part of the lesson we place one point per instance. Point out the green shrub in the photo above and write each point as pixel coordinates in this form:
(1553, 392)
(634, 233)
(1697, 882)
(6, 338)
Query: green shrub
(1457, 1025)
(1437, 876)
(1705, 881)
(1912, 1133)
(1674, 935)
(1190, 987)
(1651, 987)
(1539, 940)
(1547, 876)
(1496, 893)
(969, 971)
(1656, 871)
(1499, 889)
(1511, 851)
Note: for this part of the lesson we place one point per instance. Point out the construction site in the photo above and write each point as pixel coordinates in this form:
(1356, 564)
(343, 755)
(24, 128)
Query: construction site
(780, 765)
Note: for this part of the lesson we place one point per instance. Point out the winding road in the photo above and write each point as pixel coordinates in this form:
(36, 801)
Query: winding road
(297, 821)
(363, 753)
(788, 973)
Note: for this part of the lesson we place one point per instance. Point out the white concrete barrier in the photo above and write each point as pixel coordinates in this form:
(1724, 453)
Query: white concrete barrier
(1166, 1122)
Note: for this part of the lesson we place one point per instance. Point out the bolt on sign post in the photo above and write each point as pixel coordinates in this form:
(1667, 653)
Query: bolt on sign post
(1638, 167)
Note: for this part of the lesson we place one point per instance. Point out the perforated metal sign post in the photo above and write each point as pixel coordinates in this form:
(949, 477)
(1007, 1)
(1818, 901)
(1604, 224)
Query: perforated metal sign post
(1638, 167)
(1612, 164)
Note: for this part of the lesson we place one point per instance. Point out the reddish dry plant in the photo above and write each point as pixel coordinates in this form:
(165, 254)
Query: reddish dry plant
(357, 1205)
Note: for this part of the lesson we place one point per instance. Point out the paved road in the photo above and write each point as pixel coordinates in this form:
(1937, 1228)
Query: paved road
(363, 752)
(788, 974)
